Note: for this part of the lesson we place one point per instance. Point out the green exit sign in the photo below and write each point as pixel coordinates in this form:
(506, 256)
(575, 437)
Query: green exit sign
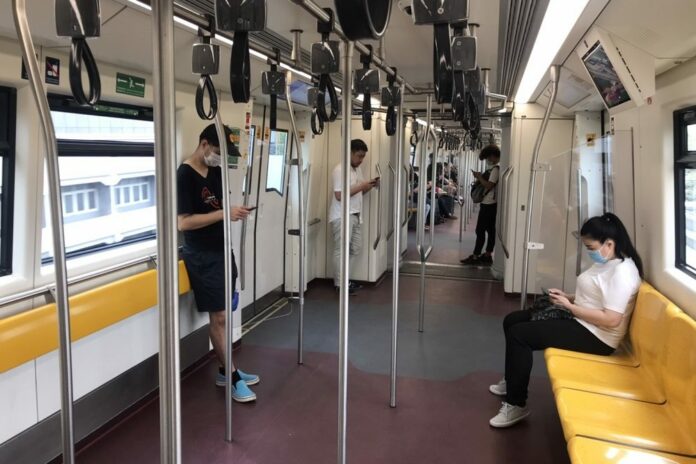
(130, 85)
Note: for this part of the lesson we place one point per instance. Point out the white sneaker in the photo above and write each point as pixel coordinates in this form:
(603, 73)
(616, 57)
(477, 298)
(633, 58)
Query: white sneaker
(499, 388)
(509, 415)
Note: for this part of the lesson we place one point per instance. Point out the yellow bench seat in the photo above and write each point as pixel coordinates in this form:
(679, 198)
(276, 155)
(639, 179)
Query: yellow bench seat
(633, 423)
(587, 451)
(633, 383)
(622, 356)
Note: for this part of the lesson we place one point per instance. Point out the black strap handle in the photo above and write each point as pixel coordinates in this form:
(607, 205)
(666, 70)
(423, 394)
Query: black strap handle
(205, 85)
(326, 86)
(391, 109)
(367, 112)
(81, 53)
(240, 68)
(442, 63)
(317, 123)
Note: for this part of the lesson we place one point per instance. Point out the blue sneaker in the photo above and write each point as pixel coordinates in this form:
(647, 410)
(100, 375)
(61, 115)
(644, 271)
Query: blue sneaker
(241, 393)
(249, 379)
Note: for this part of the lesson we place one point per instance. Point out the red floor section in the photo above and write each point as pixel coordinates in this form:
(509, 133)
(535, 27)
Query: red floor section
(294, 420)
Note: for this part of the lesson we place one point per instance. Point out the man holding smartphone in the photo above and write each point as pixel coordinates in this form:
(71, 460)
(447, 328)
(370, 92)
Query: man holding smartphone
(358, 187)
(200, 218)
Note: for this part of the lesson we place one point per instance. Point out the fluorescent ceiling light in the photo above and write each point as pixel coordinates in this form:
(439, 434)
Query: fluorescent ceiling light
(559, 20)
(373, 101)
(141, 4)
(186, 24)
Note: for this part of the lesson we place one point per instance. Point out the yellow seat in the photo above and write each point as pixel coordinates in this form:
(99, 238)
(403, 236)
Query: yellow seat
(608, 379)
(623, 356)
(643, 383)
(587, 451)
(646, 332)
(667, 427)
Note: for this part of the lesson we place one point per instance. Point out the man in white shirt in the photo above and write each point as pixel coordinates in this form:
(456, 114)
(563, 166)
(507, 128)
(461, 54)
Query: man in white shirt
(358, 187)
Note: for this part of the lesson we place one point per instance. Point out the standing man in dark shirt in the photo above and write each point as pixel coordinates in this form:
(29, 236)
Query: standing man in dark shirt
(200, 216)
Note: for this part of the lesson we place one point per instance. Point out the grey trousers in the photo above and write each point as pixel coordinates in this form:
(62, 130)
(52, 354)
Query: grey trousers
(355, 243)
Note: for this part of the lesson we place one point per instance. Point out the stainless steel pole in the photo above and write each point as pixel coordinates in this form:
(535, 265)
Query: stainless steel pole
(302, 221)
(555, 71)
(396, 256)
(167, 248)
(249, 179)
(345, 256)
(422, 192)
(56, 211)
(227, 248)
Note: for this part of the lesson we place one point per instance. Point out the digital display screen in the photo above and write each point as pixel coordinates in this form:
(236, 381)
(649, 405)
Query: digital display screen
(298, 92)
(604, 76)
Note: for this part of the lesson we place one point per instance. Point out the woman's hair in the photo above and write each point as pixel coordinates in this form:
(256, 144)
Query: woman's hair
(609, 226)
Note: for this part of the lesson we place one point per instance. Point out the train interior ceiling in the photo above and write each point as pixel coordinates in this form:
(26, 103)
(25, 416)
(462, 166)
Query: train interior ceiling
(620, 138)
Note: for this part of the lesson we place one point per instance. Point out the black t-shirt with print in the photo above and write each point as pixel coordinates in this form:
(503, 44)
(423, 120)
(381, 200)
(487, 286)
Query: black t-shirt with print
(200, 195)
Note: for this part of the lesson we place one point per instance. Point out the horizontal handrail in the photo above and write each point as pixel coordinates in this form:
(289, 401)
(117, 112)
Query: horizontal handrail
(25, 295)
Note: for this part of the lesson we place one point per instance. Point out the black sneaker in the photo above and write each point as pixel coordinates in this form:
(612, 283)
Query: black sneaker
(353, 285)
(486, 259)
(351, 291)
(472, 259)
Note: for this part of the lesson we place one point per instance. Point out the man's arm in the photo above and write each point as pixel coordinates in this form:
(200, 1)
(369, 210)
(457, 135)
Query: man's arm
(361, 187)
(198, 221)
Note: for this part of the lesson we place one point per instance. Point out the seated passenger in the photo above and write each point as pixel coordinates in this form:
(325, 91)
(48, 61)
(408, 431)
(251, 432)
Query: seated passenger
(597, 318)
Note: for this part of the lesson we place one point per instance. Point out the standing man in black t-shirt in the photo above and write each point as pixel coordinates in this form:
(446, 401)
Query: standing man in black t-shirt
(200, 216)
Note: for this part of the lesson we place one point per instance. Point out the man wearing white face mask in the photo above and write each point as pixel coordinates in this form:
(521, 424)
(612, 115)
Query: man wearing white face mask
(200, 216)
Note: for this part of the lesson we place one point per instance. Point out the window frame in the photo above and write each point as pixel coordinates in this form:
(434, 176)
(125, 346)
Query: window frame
(683, 160)
(97, 148)
(288, 143)
(7, 157)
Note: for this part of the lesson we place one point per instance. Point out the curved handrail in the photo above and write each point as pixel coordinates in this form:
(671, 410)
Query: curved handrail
(407, 202)
(379, 211)
(578, 259)
(555, 71)
(247, 195)
(391, 224)
(502, 205)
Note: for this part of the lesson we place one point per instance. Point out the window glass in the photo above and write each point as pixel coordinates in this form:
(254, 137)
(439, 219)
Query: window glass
(78, 126)
(690, 216)
(691, 137)
(107, 200)
(2, 197)
(277, 149)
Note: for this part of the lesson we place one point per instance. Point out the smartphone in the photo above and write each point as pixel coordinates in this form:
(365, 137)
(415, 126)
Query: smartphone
(251, 208)
(545, 291)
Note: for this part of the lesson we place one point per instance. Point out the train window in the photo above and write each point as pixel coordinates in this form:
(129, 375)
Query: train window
(107, 176)
(7, 135)
(685, 188)
(277, 149)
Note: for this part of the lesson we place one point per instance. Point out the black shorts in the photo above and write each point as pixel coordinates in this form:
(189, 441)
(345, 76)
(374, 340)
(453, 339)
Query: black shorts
(206, 271)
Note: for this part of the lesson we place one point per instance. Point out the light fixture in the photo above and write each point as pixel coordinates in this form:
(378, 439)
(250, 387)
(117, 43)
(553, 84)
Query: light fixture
(559, 20)
(187, 24)
(141, 4)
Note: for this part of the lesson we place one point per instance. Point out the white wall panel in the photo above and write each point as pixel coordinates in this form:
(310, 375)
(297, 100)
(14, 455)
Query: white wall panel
(18, 409)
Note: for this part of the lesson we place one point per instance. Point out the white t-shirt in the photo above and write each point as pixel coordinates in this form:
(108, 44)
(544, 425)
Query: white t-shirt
(490, 198)
(614, 286)
(356, 200)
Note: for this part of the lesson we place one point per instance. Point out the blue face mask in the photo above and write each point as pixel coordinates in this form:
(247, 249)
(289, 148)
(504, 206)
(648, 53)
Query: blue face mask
(596, 256)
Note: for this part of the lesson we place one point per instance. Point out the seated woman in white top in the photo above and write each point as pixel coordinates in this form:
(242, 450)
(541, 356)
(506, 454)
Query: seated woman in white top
(601, 310)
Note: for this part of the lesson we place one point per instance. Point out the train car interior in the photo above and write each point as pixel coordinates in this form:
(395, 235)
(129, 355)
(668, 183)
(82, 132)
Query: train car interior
(365, 231)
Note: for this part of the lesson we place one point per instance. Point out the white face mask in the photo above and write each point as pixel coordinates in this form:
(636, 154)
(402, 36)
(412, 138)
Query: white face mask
(212, 159)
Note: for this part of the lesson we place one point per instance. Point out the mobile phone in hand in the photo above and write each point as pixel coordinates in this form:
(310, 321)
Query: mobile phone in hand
(251, 208)
(545, 291)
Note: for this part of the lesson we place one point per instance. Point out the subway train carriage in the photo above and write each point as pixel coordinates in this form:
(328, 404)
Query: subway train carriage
(348, 231)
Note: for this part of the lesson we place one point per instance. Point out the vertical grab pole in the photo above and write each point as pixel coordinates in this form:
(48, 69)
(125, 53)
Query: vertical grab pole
(422, 192)
(58, 235)
(396, 255)
(460, 195)
(345, 249)
(167, 248)
(555, 71)
(301, 195)
(227, 241)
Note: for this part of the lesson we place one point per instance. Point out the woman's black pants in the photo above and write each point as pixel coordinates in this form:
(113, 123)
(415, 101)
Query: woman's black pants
(524, 336)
